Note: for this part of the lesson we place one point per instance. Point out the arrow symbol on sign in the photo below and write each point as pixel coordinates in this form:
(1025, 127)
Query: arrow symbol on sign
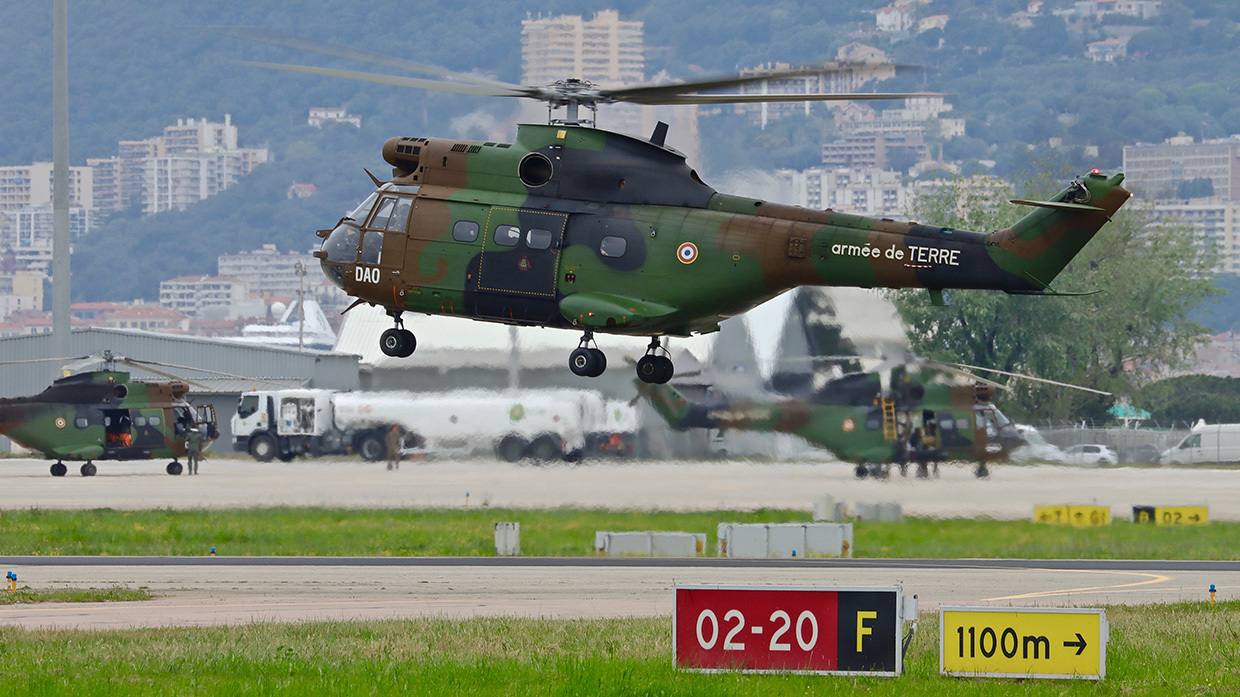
(1079, 643)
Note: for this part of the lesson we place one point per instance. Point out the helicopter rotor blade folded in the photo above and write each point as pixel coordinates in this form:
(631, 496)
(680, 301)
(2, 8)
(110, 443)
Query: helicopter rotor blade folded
(763, 98)
(145, 365)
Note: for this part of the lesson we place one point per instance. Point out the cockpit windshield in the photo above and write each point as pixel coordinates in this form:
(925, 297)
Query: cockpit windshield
(363, 209)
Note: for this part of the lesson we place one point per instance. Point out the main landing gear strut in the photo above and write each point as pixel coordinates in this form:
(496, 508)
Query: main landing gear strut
(397, 342)
(588, 361)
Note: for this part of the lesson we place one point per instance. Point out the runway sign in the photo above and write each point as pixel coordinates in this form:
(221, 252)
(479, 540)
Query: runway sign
(1077, 516)
(1171, 515)
(765, 629)
(1023, 642)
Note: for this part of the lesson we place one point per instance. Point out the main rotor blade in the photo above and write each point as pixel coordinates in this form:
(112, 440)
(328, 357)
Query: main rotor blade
(300, 43)
(160, 373)
(46, 360)
(955, 370)
(632, 94)
(398, 81)
(1030, 377)
(145, 365)
(761, 98)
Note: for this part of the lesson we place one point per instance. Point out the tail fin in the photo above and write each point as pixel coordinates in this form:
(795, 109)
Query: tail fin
(1042, 243)
(668, 401)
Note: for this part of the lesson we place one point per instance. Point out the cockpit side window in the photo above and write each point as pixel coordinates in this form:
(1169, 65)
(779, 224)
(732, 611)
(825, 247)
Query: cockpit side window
(372, 247)
(382, 213)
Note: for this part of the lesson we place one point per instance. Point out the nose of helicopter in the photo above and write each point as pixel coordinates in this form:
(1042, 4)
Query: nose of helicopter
(339, 248)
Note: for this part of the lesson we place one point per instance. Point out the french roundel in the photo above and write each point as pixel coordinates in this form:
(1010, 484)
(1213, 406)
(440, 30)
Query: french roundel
(687, 253)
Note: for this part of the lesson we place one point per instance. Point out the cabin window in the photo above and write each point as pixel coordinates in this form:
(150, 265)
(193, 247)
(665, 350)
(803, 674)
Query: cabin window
(538, 239)
(1193, 442)
(81, 422)
(465, 231)
(612, 246)
(383, 212)
(154, 421)
(873, 423)
(507, 235)
(139, 421)
(248, 405)
(946, 422)
(372, 247)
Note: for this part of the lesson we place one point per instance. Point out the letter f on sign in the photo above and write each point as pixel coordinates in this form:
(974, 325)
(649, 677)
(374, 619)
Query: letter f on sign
(862, 630)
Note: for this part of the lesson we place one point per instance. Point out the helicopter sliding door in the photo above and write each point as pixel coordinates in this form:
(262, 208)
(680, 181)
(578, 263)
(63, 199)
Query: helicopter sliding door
(519, 264)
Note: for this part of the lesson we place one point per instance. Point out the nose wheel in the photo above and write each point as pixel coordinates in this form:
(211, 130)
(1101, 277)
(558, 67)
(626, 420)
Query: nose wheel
(398, 342)
(586, 360)
(654, 368)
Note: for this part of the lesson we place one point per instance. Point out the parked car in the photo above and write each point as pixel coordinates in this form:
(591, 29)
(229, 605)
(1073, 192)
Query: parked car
(1090, 455)
(1035, 449)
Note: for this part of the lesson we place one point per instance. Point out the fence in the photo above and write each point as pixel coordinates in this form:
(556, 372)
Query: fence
(1133, 445)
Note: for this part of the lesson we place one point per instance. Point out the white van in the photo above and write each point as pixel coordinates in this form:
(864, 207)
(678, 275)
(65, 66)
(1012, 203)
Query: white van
(1213, 443)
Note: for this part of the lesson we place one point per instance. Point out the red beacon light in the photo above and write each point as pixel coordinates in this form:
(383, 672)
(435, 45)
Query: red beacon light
(1095, 171)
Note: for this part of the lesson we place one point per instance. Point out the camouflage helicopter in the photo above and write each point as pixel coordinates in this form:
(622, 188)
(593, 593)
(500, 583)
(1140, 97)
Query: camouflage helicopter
(106, 415)
(575, 227)
(913, 411)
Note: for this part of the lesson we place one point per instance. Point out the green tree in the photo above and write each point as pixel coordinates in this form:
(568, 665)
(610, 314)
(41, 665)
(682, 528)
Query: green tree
(1149, 277)
(1191, 397)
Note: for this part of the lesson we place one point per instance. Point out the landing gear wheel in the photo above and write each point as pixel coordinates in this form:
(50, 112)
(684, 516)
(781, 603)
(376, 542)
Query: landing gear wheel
(89, 469)
(59, 469)
(923, 470)
(262, 447)
(397, 343)
(174, 468)
(862, 471)
(586, 360)
(982, 472)
(653, 368)
(511, 448)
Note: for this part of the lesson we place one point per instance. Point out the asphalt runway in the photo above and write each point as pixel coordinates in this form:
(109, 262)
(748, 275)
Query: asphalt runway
(214, 591)
(1010, 493)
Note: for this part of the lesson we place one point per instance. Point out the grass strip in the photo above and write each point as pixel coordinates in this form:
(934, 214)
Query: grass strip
(28, 596)
(1154, 650)
(563, 532)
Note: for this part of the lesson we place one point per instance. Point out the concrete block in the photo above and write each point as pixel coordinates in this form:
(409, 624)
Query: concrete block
(650, 544)
(781, 540)
(508, 539)
(885, 511)
(827, 509)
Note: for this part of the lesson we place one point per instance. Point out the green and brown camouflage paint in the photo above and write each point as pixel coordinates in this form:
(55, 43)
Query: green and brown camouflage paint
(631, 241)
(70, 419)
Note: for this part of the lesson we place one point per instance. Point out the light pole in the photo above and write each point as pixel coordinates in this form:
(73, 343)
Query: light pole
(300, 270)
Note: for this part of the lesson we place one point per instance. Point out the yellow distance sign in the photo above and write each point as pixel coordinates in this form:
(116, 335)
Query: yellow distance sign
(1181, 515)
(1078, 516)
(1023, 642)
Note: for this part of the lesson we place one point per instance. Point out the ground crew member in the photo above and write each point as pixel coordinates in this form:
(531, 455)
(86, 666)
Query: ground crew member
(193, 449)
(393, 442)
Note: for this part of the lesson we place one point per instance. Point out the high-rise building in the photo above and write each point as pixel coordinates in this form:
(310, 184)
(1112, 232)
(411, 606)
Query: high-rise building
(24, 186)
(1157, 171)
(198, 159)
(603, 50)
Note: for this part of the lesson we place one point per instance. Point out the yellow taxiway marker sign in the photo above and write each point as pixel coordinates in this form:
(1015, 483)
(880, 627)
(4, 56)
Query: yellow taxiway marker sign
(1171, 515)
(1078, 516)
(1022, 642)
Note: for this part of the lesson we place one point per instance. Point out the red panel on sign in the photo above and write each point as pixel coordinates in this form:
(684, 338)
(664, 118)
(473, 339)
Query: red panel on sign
(756, 629)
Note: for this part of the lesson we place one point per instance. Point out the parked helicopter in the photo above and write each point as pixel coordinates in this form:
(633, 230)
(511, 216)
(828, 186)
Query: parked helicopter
(106, 415)
(910, 411)
(575, 227)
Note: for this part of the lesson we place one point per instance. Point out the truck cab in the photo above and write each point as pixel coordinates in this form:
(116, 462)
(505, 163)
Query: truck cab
(282, 424)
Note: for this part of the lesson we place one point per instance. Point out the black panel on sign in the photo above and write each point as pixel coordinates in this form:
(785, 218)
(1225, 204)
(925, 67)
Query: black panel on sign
(867, 619)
